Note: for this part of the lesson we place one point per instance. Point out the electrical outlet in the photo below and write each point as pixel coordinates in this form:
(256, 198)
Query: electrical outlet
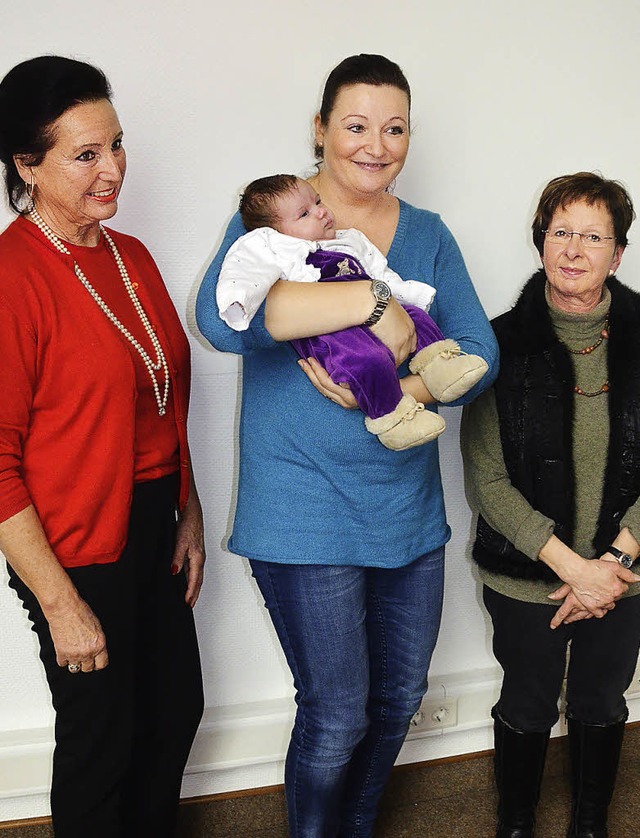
(435, 714)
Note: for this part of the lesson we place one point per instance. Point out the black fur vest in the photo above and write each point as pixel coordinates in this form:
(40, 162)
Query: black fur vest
(535, 401)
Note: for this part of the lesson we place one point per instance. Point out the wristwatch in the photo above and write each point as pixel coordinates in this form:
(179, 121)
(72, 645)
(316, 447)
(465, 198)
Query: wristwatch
(624, 558)
(382, 294)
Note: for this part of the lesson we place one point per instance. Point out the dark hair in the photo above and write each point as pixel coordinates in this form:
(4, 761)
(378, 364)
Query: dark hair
(257, 202)
(359, 69)
(589, 187)
(32, 96)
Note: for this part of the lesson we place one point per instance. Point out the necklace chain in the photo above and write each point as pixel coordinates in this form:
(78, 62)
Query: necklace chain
(152, 367)
(604, 389)
(604, 335)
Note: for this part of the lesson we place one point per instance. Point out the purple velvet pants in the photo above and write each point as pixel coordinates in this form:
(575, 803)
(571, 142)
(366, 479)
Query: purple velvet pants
(355, 356)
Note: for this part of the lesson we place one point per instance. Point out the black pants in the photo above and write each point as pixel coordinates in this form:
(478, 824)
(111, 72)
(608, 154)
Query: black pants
(123, 734)
(602, 660)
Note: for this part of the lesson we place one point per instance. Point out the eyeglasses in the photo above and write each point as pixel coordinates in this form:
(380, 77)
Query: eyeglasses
(561, 236)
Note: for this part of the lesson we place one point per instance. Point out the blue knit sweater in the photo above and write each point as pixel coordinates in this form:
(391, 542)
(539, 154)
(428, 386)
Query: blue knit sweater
(314, 486)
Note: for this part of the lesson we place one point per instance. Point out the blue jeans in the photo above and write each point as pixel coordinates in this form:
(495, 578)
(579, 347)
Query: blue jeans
(358, 641)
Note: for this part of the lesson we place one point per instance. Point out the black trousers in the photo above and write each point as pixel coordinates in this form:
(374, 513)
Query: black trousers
(123, 734)
(602, 660)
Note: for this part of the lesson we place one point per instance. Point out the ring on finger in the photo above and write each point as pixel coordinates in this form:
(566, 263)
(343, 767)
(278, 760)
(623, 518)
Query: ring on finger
(74, 667)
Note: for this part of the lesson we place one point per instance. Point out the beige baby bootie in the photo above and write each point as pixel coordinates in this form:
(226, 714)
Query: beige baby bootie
(446, 370)
(408, 425)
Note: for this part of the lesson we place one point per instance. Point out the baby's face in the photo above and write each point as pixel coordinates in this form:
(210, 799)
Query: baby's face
(302, 214)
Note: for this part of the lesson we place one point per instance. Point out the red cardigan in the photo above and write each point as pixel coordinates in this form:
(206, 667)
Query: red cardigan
(68, 395)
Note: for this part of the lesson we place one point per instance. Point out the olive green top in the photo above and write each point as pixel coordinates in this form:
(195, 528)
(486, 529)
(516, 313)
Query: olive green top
(487, 483)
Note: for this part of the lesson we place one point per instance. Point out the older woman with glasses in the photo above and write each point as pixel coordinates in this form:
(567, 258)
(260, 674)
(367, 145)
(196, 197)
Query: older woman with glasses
(552, 460)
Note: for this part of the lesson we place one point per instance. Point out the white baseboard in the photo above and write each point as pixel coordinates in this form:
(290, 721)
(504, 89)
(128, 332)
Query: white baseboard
(243, 746)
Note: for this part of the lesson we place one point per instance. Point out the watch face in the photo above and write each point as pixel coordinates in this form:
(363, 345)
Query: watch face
(624, 558)
(381, 289)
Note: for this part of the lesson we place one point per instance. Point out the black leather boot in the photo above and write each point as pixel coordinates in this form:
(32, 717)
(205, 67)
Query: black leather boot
(595, 753)
(519, 763)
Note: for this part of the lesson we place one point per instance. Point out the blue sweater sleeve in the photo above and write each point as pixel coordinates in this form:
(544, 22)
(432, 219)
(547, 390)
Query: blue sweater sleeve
(460, 314)
(208, 318)
(425, 249)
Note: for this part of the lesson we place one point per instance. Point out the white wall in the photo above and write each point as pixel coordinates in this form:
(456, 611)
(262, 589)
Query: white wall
(506, 96)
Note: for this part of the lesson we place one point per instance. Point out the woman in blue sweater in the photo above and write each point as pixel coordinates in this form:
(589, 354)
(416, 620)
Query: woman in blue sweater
(346, 538)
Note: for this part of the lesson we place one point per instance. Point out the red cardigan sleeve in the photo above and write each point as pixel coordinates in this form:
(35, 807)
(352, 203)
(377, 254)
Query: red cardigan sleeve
(17, 383)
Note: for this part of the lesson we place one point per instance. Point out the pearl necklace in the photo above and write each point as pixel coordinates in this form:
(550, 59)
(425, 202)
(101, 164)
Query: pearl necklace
(152, 367)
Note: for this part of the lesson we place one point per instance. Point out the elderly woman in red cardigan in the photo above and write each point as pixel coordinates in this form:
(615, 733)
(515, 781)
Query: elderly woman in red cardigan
(100, 521)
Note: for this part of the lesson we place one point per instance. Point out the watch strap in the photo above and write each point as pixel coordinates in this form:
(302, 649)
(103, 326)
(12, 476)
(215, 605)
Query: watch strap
(624, 558)
(376, 314)
(382, 295)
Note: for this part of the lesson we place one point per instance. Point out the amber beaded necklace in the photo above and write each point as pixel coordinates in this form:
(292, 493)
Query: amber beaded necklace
(604, 335)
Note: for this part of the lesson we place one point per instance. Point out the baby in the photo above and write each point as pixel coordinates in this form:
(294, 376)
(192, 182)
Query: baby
(292, 236)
